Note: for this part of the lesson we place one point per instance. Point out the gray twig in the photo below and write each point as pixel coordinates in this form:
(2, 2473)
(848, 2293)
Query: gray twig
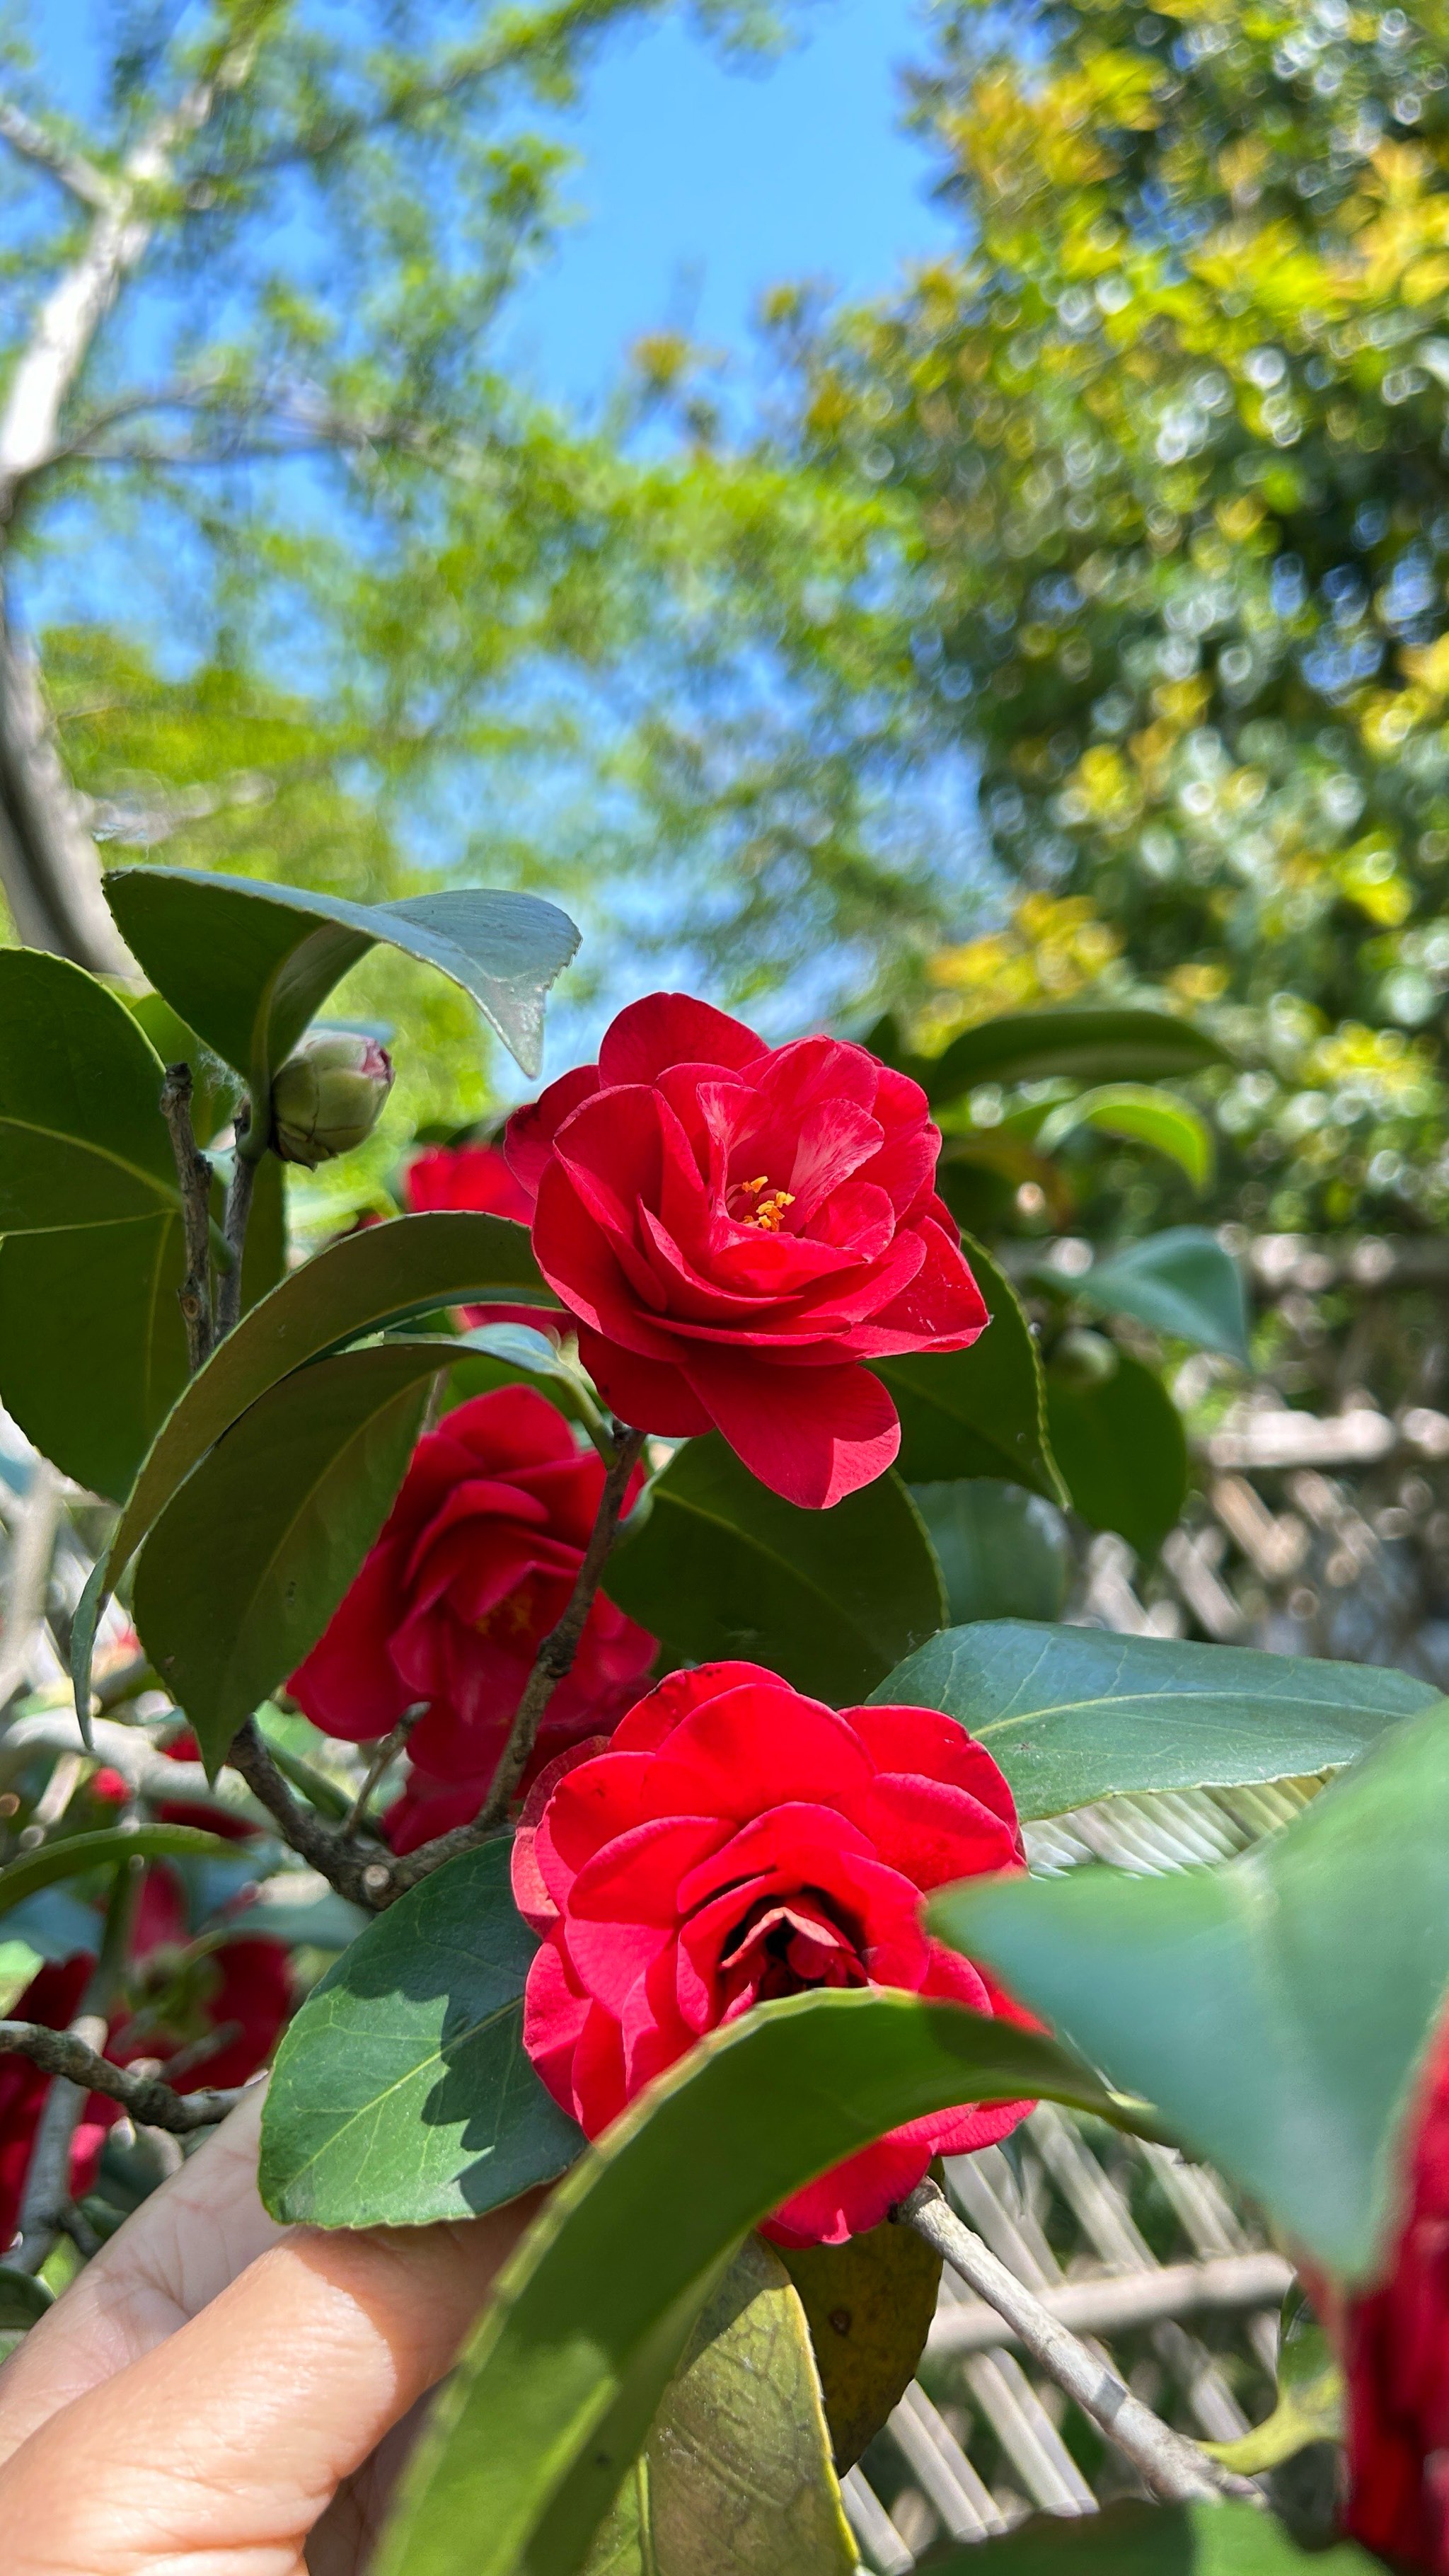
(1168, 2463)
(238, 1213)
(193, 1172)
(67, 2054)
(555, 1656)
(353, 1868)
(46, 2196)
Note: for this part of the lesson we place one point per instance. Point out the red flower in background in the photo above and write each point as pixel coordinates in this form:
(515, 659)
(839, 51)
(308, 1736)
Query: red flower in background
(738, 1228)
(241, 1992)
(465, 1176)
(474, 1176)
(475, 1565)
(736, 1842)
(1396, 2352)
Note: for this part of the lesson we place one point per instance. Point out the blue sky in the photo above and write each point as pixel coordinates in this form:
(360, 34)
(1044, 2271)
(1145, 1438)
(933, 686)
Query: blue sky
(701, 185)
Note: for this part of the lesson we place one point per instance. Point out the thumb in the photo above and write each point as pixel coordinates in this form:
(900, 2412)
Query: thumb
(221, 2449)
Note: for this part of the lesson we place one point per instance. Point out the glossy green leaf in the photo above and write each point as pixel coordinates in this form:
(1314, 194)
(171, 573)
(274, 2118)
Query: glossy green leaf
(1120, 1444)
(721, 1567)
(1003, 1554)
(73, 1854)
(553, 2397)
(1090, 1045)
(1277, 2007)
(92, 1345)
(409, 1266)
(1128, 2539)
(1144, 1116)
(249, 964)
(82, 1139)
(1310, 2403)
(1073, 1714)
(735, 2478)
(869, 2305)
(1180, 1283)
(22, 2300)
(401, 2092)
(979, 1412)
(249, 1560)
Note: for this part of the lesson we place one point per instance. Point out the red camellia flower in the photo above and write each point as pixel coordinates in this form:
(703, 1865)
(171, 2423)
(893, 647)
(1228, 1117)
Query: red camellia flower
(476, 1563)
(737, 1228)
(1396, 2351)
(735, 1842)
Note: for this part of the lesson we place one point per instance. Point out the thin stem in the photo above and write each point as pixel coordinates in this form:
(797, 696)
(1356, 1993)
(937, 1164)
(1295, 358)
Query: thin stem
(1167, 2462)
(47, 2182)
(383, 1753)
(193, 1172)
(238, 1212)
(64, 2053)
(32, 1548)
(555, 1656)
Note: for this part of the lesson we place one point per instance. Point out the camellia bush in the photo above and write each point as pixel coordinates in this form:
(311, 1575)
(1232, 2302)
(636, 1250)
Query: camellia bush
(584, 1579)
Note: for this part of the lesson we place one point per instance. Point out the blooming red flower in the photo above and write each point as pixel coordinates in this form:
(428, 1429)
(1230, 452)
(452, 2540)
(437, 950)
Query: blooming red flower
(737, 1228)
(475, 1565)
(736, 1842)
(1396, 2352)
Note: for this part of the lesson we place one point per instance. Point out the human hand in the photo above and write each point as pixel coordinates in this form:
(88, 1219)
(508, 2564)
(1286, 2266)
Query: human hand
(219, 2396)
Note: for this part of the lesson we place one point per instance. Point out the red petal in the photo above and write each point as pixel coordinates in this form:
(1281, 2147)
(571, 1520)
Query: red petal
(673, 1028)
(753, 1749)
(651, 1394)
(811, 1435)
(349, 1685)
(555, 2010)
(529, 1134)
(673, 1699)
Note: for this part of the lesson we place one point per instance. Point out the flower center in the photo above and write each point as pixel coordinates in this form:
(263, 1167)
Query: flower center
(755, 1203)
(785, 1945)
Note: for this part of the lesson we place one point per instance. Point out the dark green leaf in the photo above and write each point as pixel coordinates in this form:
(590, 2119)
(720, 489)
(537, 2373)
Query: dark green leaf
(249, 964)
(829, 1599)
(869, 2304)
(1003, 1554)
(1145, 1117)
(401, 2091)
(1180, 1283)
(1120, 1444)
(1073, 1714)
(264, 1262)
(92, 1346)
(249, 1560)
(75, 1853)
(1277, 2007)
(553, 2399)
(735, 2478)
(82, 1139)
(380, 1277)
(1128, 2539)
(1090, 1045)
(22, 2300)
(979, 1412)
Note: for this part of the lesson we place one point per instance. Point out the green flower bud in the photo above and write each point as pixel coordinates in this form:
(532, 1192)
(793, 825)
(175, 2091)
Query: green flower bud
(327, 1097)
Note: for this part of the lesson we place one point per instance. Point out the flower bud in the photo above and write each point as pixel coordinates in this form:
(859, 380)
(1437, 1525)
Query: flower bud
(328, 1096)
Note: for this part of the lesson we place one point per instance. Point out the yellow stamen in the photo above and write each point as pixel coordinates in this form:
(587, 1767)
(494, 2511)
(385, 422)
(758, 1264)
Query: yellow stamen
(770, 1214)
